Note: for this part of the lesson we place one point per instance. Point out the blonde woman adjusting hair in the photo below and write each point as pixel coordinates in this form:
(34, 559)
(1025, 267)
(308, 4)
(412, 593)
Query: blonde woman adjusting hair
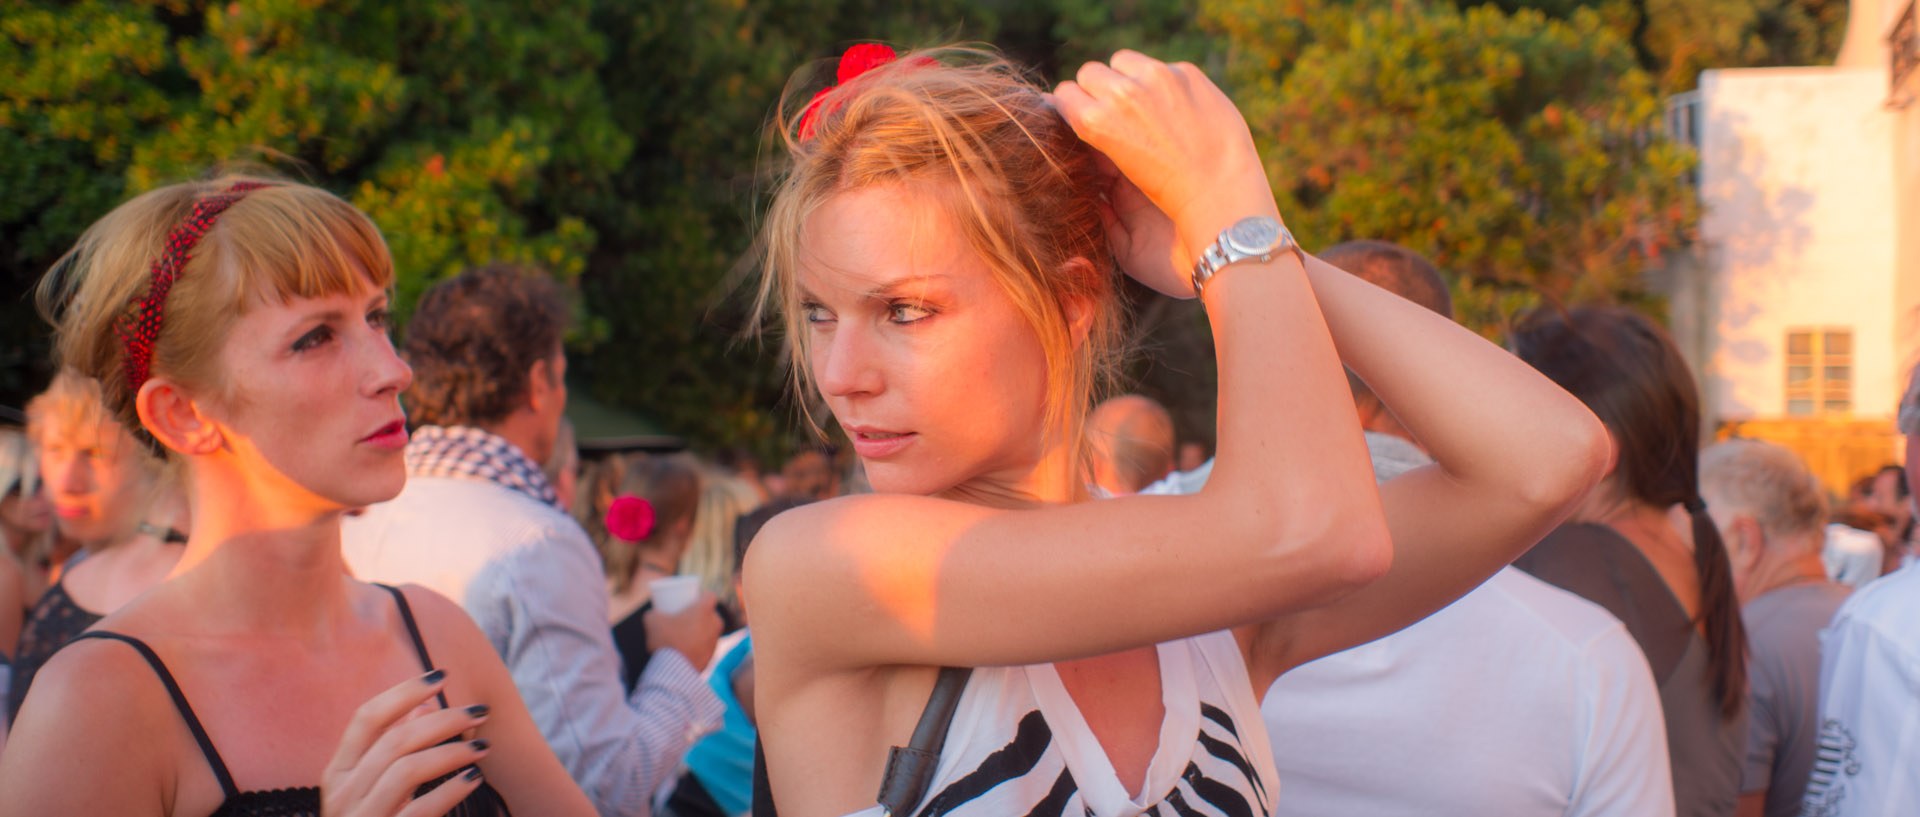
(242, 324)
(944, 250)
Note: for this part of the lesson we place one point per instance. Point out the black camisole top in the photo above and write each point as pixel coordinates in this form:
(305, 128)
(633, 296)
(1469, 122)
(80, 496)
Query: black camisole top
(303, 801)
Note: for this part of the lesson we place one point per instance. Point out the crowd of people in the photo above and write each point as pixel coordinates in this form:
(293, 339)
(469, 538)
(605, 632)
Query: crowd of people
(1413, 573)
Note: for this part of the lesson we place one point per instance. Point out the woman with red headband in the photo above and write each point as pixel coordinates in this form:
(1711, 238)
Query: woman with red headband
(944, 251)
(241, 325)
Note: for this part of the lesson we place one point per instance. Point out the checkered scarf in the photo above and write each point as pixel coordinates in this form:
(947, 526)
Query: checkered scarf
(464, 452)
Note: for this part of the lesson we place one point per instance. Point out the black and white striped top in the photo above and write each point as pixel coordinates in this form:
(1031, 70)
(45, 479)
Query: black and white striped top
(1019, 745)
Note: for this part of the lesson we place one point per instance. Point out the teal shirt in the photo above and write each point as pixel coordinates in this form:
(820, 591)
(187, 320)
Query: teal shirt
(723, 760)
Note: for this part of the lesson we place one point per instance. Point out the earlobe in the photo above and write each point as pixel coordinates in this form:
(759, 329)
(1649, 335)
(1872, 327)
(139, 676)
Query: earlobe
(539, 385)
(1745, 547)
(174, 420)
(1079, 308)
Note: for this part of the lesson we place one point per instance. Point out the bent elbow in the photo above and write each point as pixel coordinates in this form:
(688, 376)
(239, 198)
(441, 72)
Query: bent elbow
(1349, 547)
(1581, 459)
(1370, 554)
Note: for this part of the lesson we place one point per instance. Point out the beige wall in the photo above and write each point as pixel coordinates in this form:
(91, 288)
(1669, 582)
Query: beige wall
(1868, 22)
(1798, 183)
(1906, 315)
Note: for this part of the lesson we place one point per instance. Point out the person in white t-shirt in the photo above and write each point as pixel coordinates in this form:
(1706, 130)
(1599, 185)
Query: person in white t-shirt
(1868, 760)
(1518, 700)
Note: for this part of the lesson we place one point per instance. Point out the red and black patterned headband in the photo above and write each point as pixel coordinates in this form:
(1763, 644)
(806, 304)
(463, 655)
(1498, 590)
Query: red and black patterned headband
(141, 327)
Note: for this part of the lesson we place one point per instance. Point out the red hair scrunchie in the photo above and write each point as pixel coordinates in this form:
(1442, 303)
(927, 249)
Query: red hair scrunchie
(858, 60)
(629, 518)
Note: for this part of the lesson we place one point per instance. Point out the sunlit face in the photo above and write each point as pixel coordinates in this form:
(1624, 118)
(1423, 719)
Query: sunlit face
(97, 477)
(311, 407)
(923, 359)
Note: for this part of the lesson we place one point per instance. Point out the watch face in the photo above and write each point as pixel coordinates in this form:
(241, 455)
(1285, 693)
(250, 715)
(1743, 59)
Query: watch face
(1257, 236)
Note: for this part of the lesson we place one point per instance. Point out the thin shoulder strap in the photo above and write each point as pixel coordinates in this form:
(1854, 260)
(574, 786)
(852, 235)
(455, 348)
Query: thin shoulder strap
(413, 631)
(180, 703)
(909, 768)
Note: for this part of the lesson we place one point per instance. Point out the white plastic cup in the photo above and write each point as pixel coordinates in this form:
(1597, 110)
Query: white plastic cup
(674, 593)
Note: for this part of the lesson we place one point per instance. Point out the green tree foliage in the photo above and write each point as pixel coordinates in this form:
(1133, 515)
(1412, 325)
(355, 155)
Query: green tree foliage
(623, 146)
(1677, 39)
(448, 123)
(1519, 151)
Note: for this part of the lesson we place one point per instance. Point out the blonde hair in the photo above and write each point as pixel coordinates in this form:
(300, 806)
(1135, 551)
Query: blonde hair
(723, 500)
(19, 467)
(73, 400)
(276, 243)
(975, 132)
(20, 473)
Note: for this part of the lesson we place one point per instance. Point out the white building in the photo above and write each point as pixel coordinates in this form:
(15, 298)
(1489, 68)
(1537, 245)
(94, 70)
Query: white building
(1801, 307)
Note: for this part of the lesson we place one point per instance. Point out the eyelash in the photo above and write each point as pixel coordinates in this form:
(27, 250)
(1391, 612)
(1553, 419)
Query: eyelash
(813, 312)
(894, 309)
(381, 319)
(313, 339)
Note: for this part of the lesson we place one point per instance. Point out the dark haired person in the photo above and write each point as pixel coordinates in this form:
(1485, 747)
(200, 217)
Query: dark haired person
(1627, 546)
(479, 522)
(1869, 681)
(1889, 496)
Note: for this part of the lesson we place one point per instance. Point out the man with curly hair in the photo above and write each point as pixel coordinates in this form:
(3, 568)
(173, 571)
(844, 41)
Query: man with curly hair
(480, 523)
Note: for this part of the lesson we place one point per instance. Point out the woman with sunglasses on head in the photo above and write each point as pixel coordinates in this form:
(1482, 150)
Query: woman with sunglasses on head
(26, 530)
(944, 252)
(241, 323)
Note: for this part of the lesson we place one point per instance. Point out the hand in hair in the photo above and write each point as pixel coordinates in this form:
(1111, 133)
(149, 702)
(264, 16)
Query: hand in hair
(388, 751)
(1185, 164)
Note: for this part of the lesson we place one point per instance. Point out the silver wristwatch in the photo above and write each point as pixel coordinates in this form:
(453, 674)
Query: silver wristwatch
(1256, 238)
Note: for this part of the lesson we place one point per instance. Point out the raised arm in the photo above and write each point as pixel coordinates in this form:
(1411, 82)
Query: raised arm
(1291, 521)
(1513, 455)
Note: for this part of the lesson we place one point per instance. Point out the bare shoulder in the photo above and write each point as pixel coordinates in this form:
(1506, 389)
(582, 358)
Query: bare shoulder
(444, 624)
(456, 643)
(849, 523)
(95, 699)
(841, 539)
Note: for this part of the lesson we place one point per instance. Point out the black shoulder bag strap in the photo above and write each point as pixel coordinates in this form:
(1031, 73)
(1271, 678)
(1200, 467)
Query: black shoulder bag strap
(909, 768)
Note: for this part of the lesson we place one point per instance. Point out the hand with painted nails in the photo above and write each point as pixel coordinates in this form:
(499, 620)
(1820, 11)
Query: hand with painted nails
(396, 743)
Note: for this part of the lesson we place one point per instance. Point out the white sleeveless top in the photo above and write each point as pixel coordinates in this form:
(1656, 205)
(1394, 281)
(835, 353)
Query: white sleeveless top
(1019, 745)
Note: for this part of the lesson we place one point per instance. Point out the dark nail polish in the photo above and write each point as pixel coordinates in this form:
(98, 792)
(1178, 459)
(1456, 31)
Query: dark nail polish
(433, 677)
(480, 744)
(478, 710)
(473, 773)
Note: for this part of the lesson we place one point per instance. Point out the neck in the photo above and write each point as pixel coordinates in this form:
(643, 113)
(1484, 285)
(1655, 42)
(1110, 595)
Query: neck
(522, 429)
(257, 562)
(1644, 524)
(1056, 477)
(1802, 566)
(661, 553)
